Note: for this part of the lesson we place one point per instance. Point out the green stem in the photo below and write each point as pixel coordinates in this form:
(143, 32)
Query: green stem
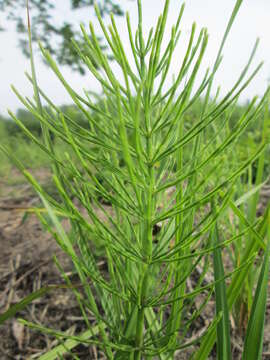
(147, 233)
(176, 308)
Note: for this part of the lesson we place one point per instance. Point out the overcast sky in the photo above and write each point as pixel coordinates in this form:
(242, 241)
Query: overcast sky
(252, 22)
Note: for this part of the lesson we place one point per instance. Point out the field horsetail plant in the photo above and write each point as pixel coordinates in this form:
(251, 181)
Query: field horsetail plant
(155, 191)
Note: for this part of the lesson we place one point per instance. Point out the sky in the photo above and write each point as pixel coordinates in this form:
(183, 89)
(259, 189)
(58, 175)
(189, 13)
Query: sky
(252, 22)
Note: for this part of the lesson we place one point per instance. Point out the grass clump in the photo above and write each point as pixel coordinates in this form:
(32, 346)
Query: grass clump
(172, 191)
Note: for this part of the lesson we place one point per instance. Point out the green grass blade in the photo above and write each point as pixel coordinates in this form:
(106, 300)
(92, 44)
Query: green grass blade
(68, 345)
(14, 309)
(235, 286)
(223, 326)
(255, 330)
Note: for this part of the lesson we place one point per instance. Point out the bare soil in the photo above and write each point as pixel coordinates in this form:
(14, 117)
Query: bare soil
(26, 264)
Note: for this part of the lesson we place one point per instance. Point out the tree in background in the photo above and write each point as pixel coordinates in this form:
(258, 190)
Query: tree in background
(54, 37)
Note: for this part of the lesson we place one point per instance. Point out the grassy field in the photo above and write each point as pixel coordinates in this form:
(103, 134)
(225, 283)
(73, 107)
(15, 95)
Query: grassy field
(24, 149)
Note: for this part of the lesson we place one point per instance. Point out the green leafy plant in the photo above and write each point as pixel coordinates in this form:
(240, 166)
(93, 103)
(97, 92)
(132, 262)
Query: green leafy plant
(170, 191)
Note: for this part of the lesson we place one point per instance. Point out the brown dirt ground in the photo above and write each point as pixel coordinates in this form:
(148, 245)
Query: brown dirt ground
(26, 264)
